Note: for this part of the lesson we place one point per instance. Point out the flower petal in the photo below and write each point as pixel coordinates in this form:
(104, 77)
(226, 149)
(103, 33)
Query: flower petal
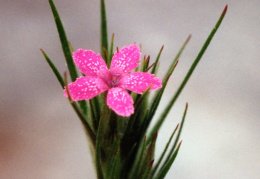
(126, 59)
(139, 82)
(120, 101)
(89, 62)
(85, 88)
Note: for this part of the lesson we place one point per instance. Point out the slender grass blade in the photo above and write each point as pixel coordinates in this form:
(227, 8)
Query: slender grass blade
(104, 34)
(64, 42)
(189, 73)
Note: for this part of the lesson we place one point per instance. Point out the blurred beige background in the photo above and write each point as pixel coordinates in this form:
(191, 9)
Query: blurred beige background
(41, 137)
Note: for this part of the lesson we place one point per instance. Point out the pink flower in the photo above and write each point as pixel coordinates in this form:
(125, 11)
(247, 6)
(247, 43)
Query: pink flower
(117, 80)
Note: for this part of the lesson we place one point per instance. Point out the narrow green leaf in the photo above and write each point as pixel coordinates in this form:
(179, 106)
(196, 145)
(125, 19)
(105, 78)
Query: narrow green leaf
(83, 107)
(164, 170)
(157, 98)
(71, 47)
(149, 67)
(168, 75)
(134, 133)
(67, 49)
(92, 112)
(131, 127)
(137, 160)
(188, 75)
(102, 129)
(147, 163)
(145, 63)
(62, 83)
(86, 124)
(164, 151)
(115, 166)
(97, 106)
(64, 42)
(156, 63)
(176, 59)
(90, 117)
(111, 49)
(168, 160)
(104, 36)
(180, 130)
(54, 69)
(60, 79)
(83, 104)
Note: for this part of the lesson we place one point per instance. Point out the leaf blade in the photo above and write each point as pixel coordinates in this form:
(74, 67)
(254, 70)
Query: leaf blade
(64, 42)
(86, 124)
(190, 71)
(104, 34)
(164, 151)
(54, 69)
(169, 73)
(166, 168)
(111, 50)
(174, 150)
(156, 63)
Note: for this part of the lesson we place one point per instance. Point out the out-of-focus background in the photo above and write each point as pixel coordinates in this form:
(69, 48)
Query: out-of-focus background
(41, 137)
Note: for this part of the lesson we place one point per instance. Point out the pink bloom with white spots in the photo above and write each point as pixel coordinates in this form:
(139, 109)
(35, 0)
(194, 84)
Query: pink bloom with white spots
(117, 80)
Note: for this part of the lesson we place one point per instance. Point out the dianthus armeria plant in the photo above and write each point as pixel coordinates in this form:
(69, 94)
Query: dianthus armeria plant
(110, 93)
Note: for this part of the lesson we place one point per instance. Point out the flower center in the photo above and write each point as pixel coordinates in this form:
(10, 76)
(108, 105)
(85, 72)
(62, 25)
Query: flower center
(111, 79)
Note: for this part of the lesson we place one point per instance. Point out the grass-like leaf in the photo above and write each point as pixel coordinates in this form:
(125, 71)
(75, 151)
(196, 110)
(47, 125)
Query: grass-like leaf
(66, 47)
(180, 130)
(171, 155)
(156, 63)
(145, 63)
(62, 83)
(96, 108)
(137, 161)
(64, 42)
(158, 96)
(134, 134)
(111, 50)
(189, 73)
(54, 69)
(104, 34)
(164, 151)
(86, 123)
(115, 166)
(100, 139)
(147, 163)
(162, 173)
